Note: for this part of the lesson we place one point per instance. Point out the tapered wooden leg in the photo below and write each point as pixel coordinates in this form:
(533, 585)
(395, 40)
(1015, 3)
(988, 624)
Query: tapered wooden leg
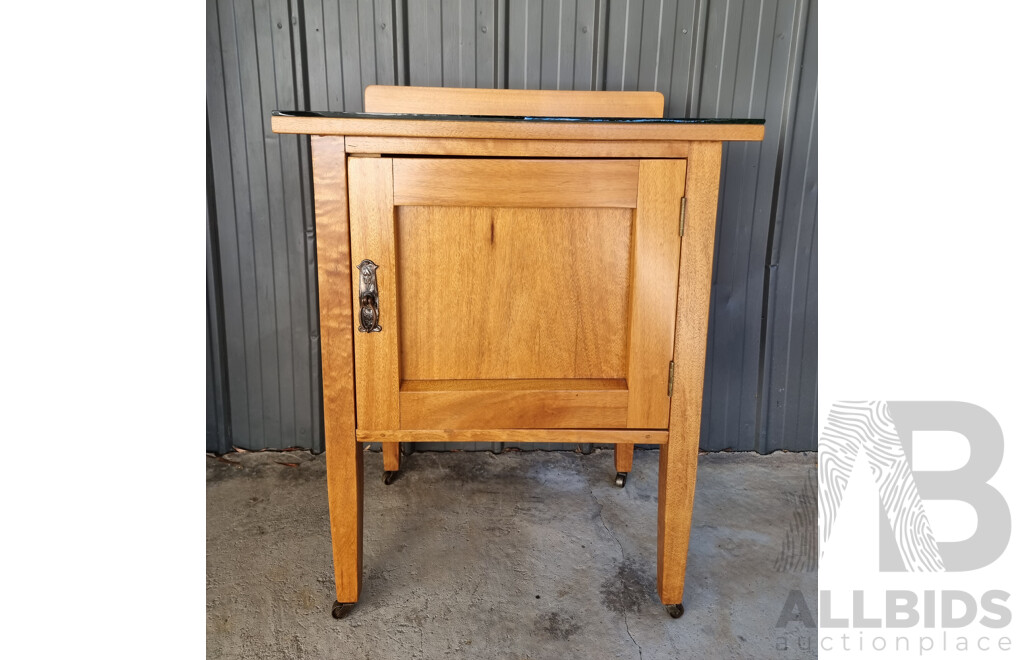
(392, 458)
(344, 453)
(623, 463)
(677, 468)
(345, 495)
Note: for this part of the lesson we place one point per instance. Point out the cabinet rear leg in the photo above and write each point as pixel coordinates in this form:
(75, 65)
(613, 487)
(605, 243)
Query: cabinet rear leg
(623, 463)
(391, 461)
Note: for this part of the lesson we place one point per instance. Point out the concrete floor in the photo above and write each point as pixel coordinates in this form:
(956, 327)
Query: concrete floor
(519, 555)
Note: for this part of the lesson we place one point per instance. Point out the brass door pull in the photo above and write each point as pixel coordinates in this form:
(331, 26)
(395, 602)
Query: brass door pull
(369, 300)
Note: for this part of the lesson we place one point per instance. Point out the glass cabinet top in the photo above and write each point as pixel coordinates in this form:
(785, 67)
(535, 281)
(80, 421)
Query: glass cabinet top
(490, 118)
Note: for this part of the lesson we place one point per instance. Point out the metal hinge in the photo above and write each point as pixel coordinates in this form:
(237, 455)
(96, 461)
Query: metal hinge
(671, 374)
(682, 215)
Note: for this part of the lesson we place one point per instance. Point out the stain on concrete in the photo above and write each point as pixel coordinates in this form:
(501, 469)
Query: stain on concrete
(558, 626)
(630, 589)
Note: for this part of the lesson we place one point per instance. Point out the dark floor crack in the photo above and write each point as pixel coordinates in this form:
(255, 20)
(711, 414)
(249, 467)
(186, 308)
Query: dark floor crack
(600, 514)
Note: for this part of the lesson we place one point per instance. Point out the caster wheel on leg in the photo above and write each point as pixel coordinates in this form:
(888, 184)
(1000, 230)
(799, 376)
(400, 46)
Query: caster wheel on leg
(341, 610)
(389, 476)
(620, 479)
(675, 611)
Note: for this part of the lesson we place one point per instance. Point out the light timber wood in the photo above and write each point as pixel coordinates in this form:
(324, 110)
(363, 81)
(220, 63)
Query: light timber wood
(646, 436)
(484, 407)
(514, 384)
(392, 456)
(344, 455)
(623, 458)
(517, 148)
(677, 470)
(534, 183)
(653, 290)
(513, 293)
(514, 130)
(511, 102)
(373, 237)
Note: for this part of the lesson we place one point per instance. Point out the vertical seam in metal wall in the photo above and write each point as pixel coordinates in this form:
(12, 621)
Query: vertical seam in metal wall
(793, 76)
(540, 53)
(341, 67)
(228, 436)
(558, 48)
(601, 49)
(625, 42)
(359, 44)
(657, 50)
(721, 62)
(301, 55)
(699, 55)
(270, 229)
(495, 12)
(287, 258)
(757, 50)
(402, 43)
(248, 179)
(793, 276)
(799, 229)
(222, 405)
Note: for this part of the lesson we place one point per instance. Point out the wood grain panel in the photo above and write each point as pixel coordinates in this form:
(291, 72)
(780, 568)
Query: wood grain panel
(512, 102)
(518, 384)
(677, 471)
(653, 290)
(344, 456)
(373, 236)
(513, 293)
(515, 130)
(533, 404)
(521, 182)
(518, 148)
(647, 436)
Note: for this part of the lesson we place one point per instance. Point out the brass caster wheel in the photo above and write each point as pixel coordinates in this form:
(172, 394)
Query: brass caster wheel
(341, 610)
(675, 611)
(620, 479)
(389, 476)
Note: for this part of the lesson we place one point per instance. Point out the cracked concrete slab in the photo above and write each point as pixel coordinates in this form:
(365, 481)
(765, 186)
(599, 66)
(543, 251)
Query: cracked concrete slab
(518, 555)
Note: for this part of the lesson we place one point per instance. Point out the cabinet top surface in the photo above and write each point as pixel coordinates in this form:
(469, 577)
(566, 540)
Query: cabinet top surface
(498, 127)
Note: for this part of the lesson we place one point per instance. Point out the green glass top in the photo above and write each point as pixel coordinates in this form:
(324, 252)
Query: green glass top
(488, 118)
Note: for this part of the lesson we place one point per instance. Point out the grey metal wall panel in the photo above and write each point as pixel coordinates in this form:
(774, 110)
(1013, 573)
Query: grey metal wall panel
(262, 213)
(217, 435)
(749, 55)
(713, 58)
(622, 71)
(790, 400)
(524, 39)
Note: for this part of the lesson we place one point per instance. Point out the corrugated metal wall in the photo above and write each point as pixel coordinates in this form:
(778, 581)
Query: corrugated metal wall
(710, 58)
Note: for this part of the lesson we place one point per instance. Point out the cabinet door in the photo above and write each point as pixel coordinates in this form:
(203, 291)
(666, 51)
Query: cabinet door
(510, 293)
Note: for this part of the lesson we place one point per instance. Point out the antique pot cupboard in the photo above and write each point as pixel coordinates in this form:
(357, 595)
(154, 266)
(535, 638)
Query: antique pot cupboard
(513, 266)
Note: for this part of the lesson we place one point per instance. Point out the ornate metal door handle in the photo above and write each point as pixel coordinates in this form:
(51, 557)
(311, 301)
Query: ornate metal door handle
(369, 300)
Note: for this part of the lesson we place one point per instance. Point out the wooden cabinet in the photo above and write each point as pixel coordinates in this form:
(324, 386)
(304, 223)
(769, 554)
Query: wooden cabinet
(501, 279)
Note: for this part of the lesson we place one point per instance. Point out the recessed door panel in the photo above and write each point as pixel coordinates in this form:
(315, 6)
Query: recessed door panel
(513, 292)
(504, 306)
